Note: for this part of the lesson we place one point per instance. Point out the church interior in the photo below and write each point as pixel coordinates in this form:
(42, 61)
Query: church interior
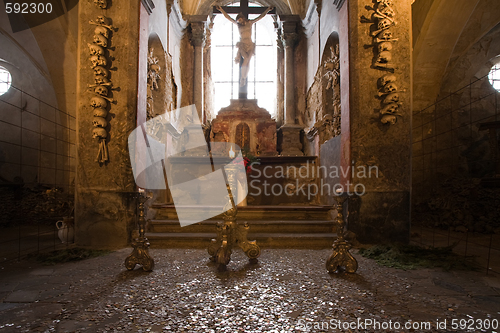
(354, 123)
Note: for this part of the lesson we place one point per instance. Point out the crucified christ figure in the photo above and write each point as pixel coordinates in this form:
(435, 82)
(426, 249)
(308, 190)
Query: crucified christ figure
(246, 47)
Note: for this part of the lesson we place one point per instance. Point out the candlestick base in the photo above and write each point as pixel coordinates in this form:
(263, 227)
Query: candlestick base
(341, 259)
(140, 254)
(231, 234)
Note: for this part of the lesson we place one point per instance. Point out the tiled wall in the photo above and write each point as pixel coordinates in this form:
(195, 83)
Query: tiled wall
(37, 141)
(446, 138)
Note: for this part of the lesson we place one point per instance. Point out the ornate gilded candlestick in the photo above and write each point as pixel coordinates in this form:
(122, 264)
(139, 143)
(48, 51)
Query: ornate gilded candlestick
(140, 254)
(229, 232)
(341, 258)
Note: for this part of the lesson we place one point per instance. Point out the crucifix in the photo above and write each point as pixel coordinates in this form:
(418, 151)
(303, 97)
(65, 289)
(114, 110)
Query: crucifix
(246, 47)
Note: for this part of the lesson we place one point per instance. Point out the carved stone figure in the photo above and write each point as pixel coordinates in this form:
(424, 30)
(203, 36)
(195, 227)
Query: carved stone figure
(153, 70)
(246, 47)
(332, 67)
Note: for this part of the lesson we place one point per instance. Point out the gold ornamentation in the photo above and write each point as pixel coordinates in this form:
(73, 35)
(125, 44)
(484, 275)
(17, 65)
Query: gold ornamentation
(140, 254)
(341, 258)
(230, 233)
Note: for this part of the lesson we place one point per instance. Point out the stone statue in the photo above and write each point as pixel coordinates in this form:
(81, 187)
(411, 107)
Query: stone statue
(246, 47)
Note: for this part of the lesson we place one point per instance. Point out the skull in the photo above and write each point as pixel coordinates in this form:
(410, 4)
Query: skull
(99, 122)
(100, 112)
(98, 61)
(384, 46)
(101, 3)
(101, 79)
(103, 20)
(99, 70)
(100, 30)
(390, 88)
(385, 35)
(390, 108)
(385, 2)
(99, 132)
(95, 49)
(384, 24)
(98, 102)
(101, 90)
(100, 40)
(389, 118)
(386, 10)
(391, 98)
(384, 57)
(386, 79)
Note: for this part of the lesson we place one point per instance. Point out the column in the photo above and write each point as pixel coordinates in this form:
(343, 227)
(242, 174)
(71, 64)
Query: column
(198, 25)
(379, 138)
(104, 206)
(290, 131)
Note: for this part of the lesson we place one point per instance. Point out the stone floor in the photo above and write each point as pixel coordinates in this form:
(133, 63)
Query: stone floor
(287, 291)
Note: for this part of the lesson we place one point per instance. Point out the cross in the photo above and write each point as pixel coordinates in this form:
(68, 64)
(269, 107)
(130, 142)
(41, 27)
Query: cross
(245, 10)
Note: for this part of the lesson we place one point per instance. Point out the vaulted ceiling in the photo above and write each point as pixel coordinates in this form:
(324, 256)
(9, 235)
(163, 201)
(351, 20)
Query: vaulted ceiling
(199, 7)
(443, 33)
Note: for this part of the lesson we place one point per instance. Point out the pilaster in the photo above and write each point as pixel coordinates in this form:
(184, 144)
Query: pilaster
(198, 27)
(290, 131)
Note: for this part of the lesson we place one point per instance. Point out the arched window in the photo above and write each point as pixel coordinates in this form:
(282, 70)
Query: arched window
(494, 76)
(5, 80)
(225, 72)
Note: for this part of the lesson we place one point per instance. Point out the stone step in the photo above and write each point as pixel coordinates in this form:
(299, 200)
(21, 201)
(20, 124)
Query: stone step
(256, 226)
(264, 240)
(263, 212)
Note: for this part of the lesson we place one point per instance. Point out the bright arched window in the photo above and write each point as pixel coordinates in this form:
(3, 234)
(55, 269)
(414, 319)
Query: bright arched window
(494, 76)
(225, 72)
(5, 80)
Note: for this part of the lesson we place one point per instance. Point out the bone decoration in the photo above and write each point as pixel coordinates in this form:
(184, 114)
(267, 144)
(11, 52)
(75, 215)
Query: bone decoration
(102, 85)
(152, 83)
(382, 20)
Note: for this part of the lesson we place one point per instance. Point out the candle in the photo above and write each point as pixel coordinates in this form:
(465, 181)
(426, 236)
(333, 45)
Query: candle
(231, 152)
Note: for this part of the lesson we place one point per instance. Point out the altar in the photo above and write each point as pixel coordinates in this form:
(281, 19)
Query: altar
(247, 125)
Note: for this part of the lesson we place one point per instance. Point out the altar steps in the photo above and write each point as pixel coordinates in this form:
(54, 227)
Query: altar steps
(271, 226)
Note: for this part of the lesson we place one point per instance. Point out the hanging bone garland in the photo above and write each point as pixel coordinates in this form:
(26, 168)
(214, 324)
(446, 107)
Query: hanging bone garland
(382, 19)
(102, 84)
